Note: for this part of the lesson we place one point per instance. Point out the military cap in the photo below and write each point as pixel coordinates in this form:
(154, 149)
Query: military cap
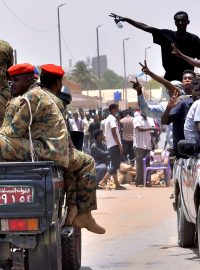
(20, 69)
(52, 69)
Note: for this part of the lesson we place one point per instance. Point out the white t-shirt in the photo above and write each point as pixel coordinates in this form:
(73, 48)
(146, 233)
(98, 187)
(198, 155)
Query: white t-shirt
(86, 124)
(142, 139)
(111, 122)
(190, 130)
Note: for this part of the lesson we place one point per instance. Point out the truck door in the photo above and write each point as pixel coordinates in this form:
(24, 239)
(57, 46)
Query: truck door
(190, 167)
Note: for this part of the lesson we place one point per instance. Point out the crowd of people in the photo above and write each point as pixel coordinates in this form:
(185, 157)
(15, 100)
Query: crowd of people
(36, 125)
(116, 137)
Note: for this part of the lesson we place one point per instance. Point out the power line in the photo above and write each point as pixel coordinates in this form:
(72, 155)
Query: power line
(22, 22)
(67, 47)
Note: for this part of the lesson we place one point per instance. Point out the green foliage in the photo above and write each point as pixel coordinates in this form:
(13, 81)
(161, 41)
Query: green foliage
(83, 75)
(110, 80)
(152, 84)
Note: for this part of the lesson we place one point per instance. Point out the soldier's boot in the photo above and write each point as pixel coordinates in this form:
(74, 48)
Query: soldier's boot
(71, 213)
(85, 220)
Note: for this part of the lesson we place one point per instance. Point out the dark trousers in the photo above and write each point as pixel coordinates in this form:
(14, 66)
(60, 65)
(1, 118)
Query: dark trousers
(128, 150)
(115, 159)
(140, 154)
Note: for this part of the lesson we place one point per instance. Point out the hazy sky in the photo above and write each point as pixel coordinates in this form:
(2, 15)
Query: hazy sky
(31, 28)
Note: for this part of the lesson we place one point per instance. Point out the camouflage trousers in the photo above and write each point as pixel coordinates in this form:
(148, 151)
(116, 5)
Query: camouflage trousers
(16, 149)
(79, 176)
(80, 181)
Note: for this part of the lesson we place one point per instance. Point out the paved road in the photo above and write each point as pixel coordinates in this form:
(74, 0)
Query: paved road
(141, 233)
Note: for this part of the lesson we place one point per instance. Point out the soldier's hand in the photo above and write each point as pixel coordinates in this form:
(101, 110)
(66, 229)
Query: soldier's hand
(145, 68)
(136, 85)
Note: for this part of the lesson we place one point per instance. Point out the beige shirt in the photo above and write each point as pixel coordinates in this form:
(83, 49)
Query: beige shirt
(127, 126)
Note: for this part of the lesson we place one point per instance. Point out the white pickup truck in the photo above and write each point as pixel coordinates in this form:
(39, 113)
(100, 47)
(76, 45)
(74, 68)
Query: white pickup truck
(186, 174)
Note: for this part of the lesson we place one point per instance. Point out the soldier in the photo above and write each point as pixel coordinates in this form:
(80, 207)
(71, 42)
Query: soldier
(29, 121)
(36, 109)
(80, 174)
(6, 60)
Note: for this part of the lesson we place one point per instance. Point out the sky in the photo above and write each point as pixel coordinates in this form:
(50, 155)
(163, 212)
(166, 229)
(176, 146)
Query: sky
(31, 27)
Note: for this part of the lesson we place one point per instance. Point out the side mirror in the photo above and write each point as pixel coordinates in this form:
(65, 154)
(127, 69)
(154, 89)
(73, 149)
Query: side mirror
(188, 148)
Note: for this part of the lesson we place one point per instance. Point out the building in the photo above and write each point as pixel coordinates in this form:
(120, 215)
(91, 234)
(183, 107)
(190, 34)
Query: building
(80, 100)
(102, 63)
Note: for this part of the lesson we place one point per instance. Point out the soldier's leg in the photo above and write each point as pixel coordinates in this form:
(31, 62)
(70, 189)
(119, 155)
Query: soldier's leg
(83, 168)
(13, 149)
(80, 180)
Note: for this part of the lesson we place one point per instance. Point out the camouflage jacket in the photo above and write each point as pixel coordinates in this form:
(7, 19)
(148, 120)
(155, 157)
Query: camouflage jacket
(6, 60)
(48, 125)
(59, 103)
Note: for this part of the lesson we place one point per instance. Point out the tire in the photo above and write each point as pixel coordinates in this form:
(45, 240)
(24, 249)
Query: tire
(71, 250)
(186, 230)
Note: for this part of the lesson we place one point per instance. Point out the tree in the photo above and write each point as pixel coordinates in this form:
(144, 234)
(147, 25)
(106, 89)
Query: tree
(110, 80)
(83, 75)
(152, 84)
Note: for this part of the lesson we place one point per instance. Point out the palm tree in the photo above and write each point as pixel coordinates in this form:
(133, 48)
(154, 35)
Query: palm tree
(83, 75)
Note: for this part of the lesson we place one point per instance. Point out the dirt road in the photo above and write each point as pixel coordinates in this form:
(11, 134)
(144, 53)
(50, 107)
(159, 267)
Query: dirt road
(141, 233)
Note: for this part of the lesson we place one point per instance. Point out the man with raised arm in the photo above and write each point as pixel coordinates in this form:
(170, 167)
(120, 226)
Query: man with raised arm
(188, 43)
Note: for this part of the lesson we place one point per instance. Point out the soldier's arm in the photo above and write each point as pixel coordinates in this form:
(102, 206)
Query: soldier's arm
(19, 125)
(10, 59)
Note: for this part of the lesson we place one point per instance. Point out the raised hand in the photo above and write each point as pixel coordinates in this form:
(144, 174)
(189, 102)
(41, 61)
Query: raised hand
(145, 69)
(175, 50)
(136, 85)
(116, 17)
(174, 99)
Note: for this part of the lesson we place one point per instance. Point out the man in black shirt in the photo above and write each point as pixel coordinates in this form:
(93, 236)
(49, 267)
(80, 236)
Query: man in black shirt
(188, 43)
(176, 112)
(101, 156)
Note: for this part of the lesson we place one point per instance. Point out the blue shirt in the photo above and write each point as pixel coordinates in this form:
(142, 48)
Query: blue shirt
(156, 111)
(177, 116)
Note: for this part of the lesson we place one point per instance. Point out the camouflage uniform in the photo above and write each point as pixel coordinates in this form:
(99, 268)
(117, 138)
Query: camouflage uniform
(81, 181)
(80, 175)
(6, 60)
(49, 143)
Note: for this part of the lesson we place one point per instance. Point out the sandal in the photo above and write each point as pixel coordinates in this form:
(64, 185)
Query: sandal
(103, 186)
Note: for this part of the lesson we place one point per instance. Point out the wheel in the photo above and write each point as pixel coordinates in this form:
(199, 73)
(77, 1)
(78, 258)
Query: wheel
(5, 256)
(71, 250)
(186, 230)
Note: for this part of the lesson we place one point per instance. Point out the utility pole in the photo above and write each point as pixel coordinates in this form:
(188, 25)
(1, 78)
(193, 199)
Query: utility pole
(98, 63)
(125, 84)
(59, 34)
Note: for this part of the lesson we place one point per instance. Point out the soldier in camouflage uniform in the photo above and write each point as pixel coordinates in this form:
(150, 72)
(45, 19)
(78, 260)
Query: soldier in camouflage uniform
(49, 143)
(31, 101)
(80, 174)
(6, 60)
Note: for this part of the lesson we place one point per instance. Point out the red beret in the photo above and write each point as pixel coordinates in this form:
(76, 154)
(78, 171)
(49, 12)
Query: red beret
(20, 69)
(52, 69)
